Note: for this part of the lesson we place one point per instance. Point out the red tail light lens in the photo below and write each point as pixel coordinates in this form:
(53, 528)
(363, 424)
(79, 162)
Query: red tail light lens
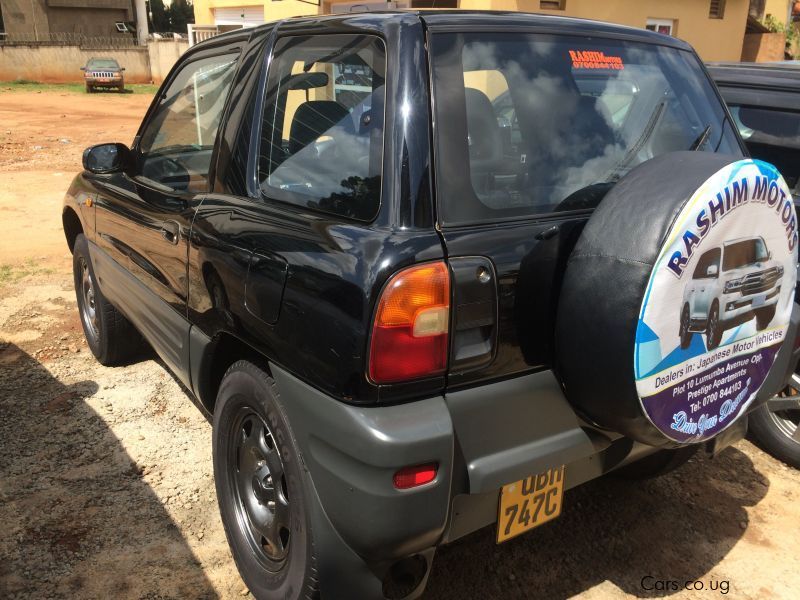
(409, 336)
(409, 477)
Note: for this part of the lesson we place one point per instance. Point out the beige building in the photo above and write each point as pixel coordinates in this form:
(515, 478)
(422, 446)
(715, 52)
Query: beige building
(714, 27)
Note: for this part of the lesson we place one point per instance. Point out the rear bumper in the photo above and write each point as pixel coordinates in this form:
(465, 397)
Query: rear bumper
(352, 453)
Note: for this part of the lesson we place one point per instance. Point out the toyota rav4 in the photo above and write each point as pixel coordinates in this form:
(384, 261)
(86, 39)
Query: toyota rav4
(408, 265)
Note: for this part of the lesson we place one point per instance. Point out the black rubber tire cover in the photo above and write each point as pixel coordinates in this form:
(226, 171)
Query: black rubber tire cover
(607, 276)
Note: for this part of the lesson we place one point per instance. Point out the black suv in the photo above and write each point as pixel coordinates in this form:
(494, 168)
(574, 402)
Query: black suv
(405, 313)
(764, 100)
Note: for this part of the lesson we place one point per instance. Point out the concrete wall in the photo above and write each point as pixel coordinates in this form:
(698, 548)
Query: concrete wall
(273, 9)
(62, 63)
(714, 39)
(25, 16)
(763, 47)
(163, 55)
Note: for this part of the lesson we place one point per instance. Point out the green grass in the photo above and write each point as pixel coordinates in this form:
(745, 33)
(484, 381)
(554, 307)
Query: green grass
(13, 273)
(25, 85)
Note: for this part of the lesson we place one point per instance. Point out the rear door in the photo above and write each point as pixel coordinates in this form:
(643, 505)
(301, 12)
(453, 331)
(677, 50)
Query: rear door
(144, 214)
(531, 130)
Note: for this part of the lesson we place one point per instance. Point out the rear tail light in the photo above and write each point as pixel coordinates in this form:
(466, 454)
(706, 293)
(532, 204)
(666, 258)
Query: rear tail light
(409, 477)
(409, 335)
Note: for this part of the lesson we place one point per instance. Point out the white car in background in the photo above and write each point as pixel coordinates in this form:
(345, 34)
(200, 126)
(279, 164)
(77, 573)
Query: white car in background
(730, 285)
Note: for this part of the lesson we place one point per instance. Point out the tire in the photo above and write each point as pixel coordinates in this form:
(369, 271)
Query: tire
(714, 327)
(764, 316)
(685, 334)
(657, 464)
(89, 89)
(109, 335)
(259, 479)
(776, 429)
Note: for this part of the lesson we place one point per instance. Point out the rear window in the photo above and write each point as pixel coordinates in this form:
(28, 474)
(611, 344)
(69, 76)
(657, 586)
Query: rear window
(548, 124)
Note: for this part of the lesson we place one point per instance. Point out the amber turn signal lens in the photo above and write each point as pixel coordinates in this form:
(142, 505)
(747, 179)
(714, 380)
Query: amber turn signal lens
(409, 335)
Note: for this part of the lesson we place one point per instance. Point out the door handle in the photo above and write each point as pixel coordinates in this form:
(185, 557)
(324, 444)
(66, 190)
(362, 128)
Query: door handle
(170, 231)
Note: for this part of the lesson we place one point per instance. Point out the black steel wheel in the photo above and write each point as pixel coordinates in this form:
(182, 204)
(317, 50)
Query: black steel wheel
(109, 335)
(262, 488)
(258, 480)
(775, 426)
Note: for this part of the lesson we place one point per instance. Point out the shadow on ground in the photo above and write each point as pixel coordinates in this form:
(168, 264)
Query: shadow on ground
(674, 528)
(75, 512)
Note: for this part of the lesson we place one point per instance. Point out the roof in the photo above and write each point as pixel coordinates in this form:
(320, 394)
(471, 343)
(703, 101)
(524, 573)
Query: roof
(502, 20)
(775, 76)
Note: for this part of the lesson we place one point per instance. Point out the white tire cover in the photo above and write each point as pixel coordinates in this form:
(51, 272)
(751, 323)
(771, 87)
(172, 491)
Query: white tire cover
(728, 270)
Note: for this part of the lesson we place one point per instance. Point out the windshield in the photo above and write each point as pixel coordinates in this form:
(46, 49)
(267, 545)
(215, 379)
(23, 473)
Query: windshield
(741, 254)
(102, 63)
(552, 122)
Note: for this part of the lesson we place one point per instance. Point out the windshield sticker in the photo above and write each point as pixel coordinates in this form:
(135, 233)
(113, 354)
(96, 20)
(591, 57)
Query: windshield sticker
(590, 59)
(718, 303)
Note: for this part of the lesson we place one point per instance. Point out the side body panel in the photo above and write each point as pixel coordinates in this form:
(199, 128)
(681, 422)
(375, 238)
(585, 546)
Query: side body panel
(296, 285)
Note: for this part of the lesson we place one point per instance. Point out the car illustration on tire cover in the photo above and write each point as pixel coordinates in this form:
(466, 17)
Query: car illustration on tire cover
(727, 270)
(730, 285)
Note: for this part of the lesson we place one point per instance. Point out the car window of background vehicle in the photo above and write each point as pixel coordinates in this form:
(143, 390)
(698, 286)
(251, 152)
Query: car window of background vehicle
(773, 135)
(322, 137)
(553, 122)
(177, 142)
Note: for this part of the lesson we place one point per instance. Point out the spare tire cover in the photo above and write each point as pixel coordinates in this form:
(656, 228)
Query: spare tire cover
(677, 297)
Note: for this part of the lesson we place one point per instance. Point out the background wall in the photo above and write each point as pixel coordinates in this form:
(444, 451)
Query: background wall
(62, 63)
(714, 39)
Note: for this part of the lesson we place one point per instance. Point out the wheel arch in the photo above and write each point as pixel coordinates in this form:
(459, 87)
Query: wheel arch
(72, 226)
(214, 360)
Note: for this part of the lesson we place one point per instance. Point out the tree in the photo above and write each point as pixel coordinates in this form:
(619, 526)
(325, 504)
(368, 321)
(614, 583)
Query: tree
(181, 13)
(159, 18)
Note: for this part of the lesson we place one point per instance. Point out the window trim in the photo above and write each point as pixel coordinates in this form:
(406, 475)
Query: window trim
(231, 49)
(657, 22)
(719, 13)
(253, 185)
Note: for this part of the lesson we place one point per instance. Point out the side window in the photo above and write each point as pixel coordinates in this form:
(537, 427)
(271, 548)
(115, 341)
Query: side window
(176, 145)
(707, 260)
(322, 134)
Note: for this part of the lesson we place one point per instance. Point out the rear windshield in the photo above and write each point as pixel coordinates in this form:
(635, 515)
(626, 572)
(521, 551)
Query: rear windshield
(549, 123)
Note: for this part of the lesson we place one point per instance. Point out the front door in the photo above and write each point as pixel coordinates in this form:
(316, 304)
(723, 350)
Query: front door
(144, 214)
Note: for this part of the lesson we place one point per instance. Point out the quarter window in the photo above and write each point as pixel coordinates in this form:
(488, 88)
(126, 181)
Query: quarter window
(322, 137)
(176, 144)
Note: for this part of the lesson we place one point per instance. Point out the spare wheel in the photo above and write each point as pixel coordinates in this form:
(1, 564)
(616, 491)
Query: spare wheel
(677, 297)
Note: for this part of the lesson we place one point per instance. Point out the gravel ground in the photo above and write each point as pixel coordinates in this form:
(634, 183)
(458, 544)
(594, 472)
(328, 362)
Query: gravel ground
(105, 473)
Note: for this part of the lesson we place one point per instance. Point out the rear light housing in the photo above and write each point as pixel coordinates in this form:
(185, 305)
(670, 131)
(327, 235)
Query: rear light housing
(410, 330)
(411, 477)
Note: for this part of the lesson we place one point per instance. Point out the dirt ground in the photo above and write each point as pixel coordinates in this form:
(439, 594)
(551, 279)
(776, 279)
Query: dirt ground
(105, 473)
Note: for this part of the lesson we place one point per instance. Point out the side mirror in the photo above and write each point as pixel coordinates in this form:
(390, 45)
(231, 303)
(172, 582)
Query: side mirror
(712, 271)
(122, 68)
(106, 158)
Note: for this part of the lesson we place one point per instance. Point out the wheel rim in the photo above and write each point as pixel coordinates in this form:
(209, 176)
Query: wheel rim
(782, 410)
(88, 301)
(261, 498)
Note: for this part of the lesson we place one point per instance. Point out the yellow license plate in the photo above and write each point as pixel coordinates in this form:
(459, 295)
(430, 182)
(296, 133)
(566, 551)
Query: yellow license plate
(529, 503)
